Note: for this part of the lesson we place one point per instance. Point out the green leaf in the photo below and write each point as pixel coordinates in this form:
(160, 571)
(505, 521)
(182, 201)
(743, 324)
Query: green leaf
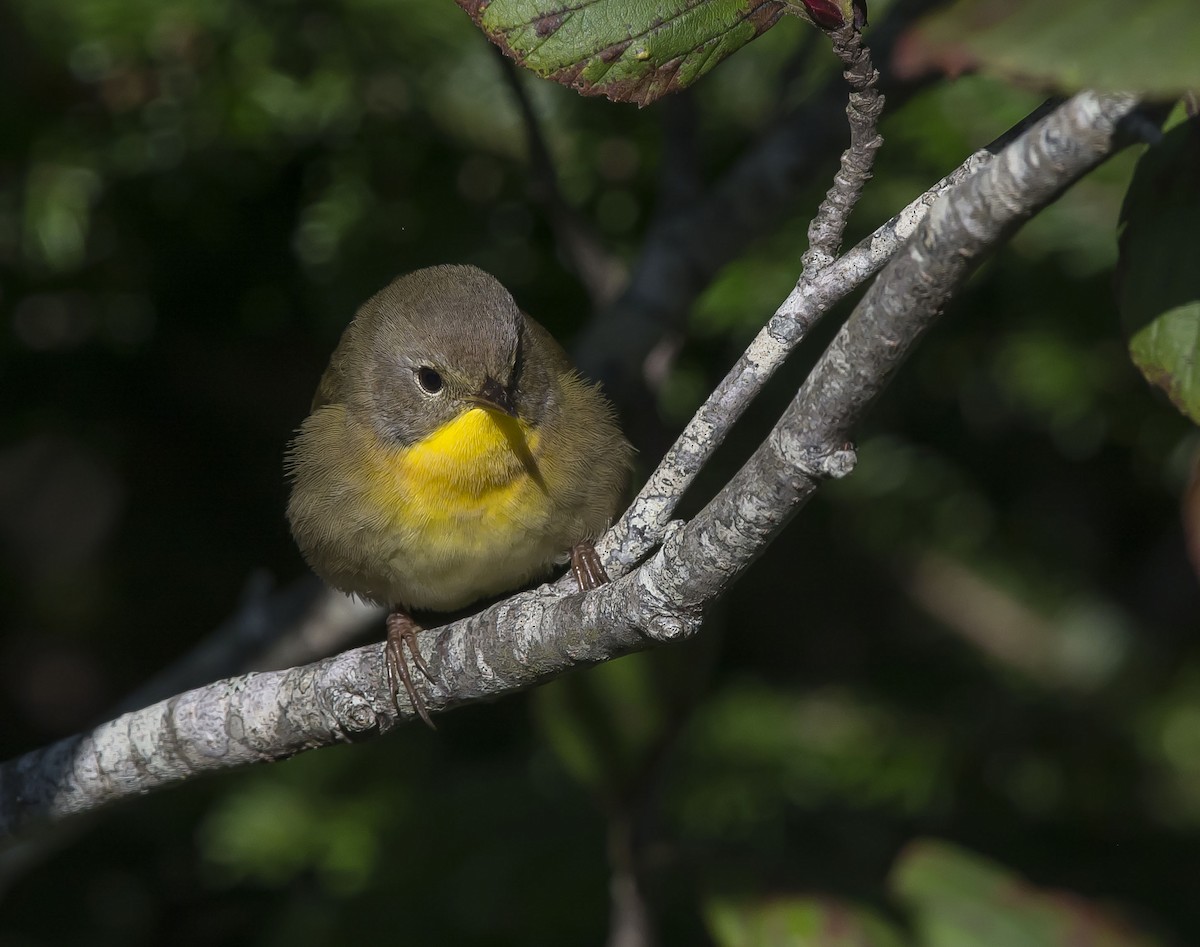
(797, 922)
(1149, 46)
(627, 50)
(958, 899)
(273, 831)
(1158, 287)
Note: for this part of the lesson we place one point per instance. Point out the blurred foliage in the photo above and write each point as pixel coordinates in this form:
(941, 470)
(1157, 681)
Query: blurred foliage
(950, 897)
(1146, 46)
(798, 922)
(987, 634)
(959, 900)
(1159, 290)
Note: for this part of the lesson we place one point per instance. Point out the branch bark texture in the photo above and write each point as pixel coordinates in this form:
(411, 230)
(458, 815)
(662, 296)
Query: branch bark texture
(809, 444)
(863, 112)
(642, 526)
(537, 635)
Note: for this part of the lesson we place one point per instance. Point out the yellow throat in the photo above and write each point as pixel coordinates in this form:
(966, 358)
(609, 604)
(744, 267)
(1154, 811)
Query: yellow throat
(477, 466)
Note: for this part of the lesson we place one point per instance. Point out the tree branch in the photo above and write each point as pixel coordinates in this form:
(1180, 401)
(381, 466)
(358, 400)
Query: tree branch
(641, 527)
(539, 634)
(270, 629)
(683, 252)
(808, 445)
(863, 112)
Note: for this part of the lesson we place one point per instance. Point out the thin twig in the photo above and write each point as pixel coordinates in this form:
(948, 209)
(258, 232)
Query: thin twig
(863, 110)
(682, 254)
(810, 442)
(641, 527)
(629, 922)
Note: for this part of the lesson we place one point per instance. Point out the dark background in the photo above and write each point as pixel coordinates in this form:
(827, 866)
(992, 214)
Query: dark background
(986, 635)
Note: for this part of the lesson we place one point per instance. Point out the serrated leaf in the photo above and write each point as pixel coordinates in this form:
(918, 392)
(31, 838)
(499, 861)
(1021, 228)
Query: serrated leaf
(1149, 46)
(958, 899)
(627, 50)
(1158, 287)
(797, 922)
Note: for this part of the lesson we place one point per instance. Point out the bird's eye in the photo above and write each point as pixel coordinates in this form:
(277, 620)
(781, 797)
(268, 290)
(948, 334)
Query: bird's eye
(429, 380)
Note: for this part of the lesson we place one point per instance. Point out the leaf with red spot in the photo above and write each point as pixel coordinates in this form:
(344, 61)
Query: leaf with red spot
(627, 50)
(956, 898)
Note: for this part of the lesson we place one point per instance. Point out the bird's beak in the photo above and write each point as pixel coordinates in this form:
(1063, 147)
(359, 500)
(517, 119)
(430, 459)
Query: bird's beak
(495, 395)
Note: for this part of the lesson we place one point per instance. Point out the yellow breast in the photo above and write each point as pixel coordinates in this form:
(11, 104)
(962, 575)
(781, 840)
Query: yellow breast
(468, 510)
(476, 465)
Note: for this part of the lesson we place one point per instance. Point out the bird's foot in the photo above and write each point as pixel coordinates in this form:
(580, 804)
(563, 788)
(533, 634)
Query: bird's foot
(402, 630)
(585, 563)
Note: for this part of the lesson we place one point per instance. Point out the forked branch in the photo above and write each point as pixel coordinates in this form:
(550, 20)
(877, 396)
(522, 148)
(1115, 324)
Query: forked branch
(536, 635)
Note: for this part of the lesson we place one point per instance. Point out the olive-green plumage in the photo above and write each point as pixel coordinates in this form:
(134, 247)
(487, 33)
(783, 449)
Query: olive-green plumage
(452, 453)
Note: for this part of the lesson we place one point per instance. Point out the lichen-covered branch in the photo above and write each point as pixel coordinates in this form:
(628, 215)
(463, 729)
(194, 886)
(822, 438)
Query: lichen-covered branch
(537, 635)
(641, 527)
(809, 444)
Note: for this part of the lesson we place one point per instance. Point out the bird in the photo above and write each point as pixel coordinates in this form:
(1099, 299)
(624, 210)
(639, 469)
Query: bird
(451, 453)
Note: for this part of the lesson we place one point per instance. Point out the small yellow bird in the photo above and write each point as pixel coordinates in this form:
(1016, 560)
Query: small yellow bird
(452, 453)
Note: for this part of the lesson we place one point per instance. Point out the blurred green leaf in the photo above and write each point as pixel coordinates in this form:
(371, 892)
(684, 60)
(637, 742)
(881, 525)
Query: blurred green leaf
(1149, 46)
(959, 899)
(603, 723)
(627, 50)
(1169, 735)
(273, 830)
(58, 207)
(797, 922)
(1159, 280)
(750, 753)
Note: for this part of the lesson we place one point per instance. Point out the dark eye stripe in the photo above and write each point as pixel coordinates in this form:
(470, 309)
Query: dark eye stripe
(429, 379)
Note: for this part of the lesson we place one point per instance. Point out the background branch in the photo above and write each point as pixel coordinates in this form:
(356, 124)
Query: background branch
(272, 628)
(599, 271)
